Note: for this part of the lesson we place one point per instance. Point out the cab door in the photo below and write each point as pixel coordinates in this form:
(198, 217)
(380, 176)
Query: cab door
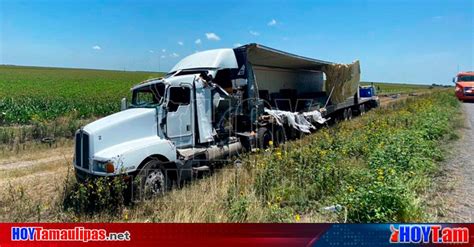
(179, 124)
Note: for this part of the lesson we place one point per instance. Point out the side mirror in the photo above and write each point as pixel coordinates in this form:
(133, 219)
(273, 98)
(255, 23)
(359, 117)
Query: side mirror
(454, 79)
(123, 104)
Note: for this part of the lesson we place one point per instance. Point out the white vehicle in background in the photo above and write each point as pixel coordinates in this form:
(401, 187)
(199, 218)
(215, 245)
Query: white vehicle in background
(212, 105)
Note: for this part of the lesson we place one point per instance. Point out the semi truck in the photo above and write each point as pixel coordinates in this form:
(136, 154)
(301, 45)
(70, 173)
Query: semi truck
(212, 105)
(464, 90)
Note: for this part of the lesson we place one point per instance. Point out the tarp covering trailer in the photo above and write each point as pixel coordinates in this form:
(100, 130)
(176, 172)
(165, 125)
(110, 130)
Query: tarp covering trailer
(212, 105)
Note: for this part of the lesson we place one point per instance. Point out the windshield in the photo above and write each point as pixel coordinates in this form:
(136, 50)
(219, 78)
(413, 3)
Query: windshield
(466, 78)
(148, 96)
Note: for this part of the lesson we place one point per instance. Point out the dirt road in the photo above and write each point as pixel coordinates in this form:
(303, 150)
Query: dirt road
(44, 169)
(458, 174)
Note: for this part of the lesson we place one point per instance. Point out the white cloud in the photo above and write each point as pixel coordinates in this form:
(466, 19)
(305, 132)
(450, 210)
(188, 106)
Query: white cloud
(163, 50)
(196, 51)
(180, 43)
(212, 36)
(285, 38)
(151, 51)
(174, 54)
(237, 44)
(96, 47)
(254, 33)
(163, 56)
(273, 22)
(198, 41)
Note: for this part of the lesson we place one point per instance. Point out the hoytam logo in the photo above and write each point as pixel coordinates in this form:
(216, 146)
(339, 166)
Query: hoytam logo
(435, 234)
(74, 234)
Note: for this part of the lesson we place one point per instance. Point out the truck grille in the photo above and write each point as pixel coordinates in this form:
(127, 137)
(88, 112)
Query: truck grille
(469, 91)
(82, 149)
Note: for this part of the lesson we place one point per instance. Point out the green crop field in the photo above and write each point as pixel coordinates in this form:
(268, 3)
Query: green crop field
(36, 94)
(395, 88)
(39, 102)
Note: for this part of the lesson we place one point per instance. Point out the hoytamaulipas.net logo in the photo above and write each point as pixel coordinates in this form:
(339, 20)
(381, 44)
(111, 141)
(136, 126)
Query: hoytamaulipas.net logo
(434, 234)
(72, 234)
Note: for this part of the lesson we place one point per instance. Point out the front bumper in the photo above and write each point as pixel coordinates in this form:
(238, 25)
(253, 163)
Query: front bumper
(82, 176)
(462, 96)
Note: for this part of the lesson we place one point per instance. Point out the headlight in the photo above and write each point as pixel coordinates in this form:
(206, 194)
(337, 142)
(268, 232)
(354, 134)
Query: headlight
(101, 166)
(458, 88)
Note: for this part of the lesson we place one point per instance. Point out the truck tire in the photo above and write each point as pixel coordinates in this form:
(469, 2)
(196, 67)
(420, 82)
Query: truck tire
(362, 109)
(349, 113)
(264, 136)
(345, 115)
(152, 180)
(279, 136)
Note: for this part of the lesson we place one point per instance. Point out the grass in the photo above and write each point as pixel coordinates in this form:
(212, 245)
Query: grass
(377, 167)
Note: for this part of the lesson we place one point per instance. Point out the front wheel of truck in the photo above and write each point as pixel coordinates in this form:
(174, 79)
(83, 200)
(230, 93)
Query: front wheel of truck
(151, 181)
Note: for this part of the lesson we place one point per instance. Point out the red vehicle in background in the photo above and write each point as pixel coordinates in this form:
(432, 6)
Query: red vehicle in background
(464, 85)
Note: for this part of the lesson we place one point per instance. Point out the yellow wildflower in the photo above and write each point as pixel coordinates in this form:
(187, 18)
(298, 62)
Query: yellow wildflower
(392, 171)
(278, 155)
(125, 216)
(297, 218)
(380, 172)
(351, 189)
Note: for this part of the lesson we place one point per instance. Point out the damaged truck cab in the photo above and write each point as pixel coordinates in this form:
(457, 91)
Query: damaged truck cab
(212, 105)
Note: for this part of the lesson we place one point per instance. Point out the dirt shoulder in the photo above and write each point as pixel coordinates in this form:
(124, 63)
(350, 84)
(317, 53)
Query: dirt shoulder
(38, 168)
(454, 185)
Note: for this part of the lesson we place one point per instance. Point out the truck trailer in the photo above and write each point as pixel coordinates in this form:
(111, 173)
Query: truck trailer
(212, 105)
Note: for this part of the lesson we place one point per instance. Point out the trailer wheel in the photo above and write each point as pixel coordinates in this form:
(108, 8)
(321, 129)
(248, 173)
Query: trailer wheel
(362, 109)
(279, 136)
(345, 114)
(349, 113)
(264, 136)
(152, 180)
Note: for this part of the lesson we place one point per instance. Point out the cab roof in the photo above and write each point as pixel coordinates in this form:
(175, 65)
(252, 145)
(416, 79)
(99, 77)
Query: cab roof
(466, 73)
(210, 59)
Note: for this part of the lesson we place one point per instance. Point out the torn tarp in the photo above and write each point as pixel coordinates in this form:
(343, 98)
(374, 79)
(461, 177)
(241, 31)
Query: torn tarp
(342, 80)
(299, 121)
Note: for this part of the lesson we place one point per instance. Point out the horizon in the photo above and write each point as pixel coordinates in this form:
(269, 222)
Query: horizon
(139, 36)
(163, 72)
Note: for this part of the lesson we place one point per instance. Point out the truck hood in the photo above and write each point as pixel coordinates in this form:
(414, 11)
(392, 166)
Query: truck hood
(124, 126)
(466, 83)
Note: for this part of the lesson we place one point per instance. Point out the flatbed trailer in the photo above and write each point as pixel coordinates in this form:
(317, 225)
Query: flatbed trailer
(358, 105)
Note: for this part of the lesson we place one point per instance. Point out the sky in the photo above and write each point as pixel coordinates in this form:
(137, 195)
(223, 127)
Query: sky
(396, 41)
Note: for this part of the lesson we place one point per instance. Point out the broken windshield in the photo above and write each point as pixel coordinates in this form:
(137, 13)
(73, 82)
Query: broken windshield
(148, 96)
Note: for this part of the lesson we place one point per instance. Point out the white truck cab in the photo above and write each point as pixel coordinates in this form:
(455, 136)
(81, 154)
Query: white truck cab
(169, 121)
